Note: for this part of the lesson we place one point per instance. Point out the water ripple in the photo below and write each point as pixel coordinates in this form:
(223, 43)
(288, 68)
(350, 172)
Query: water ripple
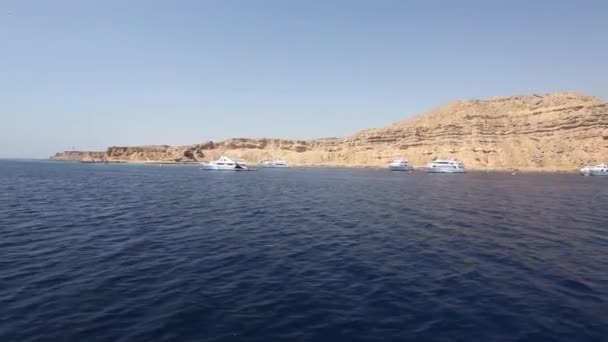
(143, 253)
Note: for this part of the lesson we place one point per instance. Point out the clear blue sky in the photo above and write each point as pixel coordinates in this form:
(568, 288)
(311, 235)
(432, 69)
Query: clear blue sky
(88, 74)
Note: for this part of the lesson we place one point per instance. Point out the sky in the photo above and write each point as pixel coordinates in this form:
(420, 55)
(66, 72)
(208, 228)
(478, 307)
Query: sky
(83, 74)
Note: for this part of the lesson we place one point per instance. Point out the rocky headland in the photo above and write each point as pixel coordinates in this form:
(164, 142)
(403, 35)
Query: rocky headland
(559, 131)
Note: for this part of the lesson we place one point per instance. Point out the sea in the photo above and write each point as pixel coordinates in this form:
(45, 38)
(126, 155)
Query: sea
(121, 252)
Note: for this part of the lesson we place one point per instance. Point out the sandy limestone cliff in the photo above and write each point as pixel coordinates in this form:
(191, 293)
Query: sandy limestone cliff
(552, 131)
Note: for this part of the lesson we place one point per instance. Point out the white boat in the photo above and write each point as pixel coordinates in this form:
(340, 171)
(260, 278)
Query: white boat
(400, 165)
(275, 163)
(445, 166)
(595, 170)
(226, 164)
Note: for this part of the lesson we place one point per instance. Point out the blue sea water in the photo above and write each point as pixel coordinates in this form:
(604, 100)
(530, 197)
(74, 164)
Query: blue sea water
(93, 252)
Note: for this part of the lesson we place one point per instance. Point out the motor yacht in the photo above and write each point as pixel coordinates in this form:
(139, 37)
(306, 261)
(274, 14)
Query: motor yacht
(400, 165)
(445, 166)
(595, 170)
(275, 164)
(226, 164)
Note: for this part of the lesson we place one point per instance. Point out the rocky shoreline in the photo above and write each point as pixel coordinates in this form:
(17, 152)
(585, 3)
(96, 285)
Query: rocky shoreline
(419, 168)
(558, 132)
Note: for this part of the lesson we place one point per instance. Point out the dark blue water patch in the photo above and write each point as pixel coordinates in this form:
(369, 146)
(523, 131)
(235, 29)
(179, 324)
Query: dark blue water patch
(93, 252)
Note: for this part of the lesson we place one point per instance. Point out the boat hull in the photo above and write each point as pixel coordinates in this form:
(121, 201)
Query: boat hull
(400, 168)
(600, 170)
(219, 168)
(444, 170)
(269, 166)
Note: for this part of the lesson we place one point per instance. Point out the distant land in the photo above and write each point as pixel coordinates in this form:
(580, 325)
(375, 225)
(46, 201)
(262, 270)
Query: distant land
(560, 131)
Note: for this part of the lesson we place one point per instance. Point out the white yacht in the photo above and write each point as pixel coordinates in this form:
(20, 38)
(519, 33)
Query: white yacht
(400, 165)
(596, 170)
(275, 163)
(445, 166)
(226, 164)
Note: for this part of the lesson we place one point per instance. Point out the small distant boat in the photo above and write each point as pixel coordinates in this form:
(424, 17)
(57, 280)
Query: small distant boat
(445, 166)
(226, 164)
(400, 165)
(275, 164)
(595, 170)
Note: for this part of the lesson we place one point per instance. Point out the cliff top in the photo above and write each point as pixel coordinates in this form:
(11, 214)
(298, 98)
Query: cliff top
(457, 111)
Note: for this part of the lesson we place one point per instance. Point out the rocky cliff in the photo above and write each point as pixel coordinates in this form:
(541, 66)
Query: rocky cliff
(552, 131)
(85, 156)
